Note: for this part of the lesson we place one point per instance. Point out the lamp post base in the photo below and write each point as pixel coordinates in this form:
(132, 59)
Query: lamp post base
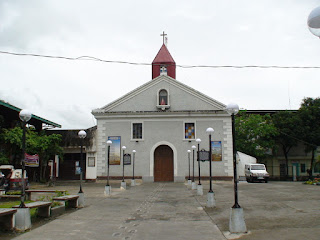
(193, 186)
(123, 185)
(199, 190)
(211, 202)
(23, 219)
(81, 200)
(133, 182)
(236, 222)
(107, 191)
(189, 182)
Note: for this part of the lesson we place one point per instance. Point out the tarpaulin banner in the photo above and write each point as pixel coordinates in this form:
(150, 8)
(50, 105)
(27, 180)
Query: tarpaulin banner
(31, 160)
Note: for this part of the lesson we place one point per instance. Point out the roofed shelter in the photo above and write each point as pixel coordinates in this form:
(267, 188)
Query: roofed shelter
(10, 115)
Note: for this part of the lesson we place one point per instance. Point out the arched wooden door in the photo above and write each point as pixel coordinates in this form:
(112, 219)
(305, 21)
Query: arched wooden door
(163, 164)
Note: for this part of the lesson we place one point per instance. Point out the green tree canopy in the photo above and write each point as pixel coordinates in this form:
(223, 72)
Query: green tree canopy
(255, 134)
(309, 113)
(36, 143)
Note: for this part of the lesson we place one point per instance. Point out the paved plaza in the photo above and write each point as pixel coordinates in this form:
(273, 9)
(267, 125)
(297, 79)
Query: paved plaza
(276, 210)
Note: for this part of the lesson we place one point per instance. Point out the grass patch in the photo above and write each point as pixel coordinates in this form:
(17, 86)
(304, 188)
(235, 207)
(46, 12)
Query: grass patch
(11, 204)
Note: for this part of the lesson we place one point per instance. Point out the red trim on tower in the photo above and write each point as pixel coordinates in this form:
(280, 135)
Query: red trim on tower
(163, 58)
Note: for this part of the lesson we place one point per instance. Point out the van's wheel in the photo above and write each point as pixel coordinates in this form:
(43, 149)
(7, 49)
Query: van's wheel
(266, 181)
(248, 180)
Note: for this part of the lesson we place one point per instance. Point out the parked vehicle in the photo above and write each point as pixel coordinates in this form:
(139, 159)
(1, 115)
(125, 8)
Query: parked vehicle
(256, 172)
(11, 179)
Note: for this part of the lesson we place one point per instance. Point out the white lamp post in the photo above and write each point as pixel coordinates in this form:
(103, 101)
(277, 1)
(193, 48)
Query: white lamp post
(108, 187)
(210, 197)
(82, 134)
(189, 179)
(199, 187)
(133, 181)
(193, 185)
(236, 223)
(24, 115)
(123, 183)
(314, 22)
(22, 217)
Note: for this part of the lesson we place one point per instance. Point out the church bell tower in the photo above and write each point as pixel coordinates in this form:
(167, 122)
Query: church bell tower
(163, 63)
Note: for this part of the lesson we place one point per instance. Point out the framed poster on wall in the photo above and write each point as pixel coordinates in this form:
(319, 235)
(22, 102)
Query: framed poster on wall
(216, 150)
(115, 150)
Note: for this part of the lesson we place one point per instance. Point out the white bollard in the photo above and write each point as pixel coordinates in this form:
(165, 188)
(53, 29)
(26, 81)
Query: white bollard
(189, 182)
(133, 182)
(193, 186)
(22, 219)
(107, 191)
(236, 222)
(124, 185)
(211, 202)
(199, 190)
(81, 200)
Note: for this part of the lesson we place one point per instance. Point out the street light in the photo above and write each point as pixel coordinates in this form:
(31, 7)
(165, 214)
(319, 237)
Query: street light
(108, 187)
(210, 196)
(189, 179)
(123, 183)
(236, 223)
(25, 115)
(133, 181)
(82, 134)
(314, 22)
(199, 187)
(193, 186)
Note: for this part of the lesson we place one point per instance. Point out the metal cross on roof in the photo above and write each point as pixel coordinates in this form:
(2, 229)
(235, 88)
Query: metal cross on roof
(163, 36)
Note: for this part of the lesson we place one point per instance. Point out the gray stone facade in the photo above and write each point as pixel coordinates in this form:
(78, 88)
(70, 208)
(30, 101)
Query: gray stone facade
(163, 126)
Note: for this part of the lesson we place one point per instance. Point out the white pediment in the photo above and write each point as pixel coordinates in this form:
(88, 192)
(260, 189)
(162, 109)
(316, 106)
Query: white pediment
(145, 98)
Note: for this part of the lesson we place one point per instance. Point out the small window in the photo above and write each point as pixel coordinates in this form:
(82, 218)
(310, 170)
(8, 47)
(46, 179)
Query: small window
(163, 97)
(91, 162)
(303, 167)
(137, 131)
(189, 131)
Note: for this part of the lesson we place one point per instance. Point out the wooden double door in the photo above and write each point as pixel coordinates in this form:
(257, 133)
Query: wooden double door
(163, 164)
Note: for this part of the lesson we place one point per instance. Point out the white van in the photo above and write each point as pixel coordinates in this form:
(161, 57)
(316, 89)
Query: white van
(256, 172)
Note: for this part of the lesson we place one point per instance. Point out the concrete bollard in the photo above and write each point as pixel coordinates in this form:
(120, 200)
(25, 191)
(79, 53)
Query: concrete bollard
(199, 190)
(236, 222)
(22, 219)
(124, 185)
(211, 202)
(81, 200)
(107, 191)
(189, 182)
(193, 186)
(133, 182)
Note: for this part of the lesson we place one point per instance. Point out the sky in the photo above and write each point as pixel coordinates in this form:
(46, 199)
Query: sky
(202, 32)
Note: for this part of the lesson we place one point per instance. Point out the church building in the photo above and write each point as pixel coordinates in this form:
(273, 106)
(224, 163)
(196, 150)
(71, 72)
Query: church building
(161, 121)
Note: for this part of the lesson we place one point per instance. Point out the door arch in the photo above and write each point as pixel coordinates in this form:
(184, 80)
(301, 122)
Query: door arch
(163, 164)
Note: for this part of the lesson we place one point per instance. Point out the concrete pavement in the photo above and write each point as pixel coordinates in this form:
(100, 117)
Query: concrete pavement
(147, 211)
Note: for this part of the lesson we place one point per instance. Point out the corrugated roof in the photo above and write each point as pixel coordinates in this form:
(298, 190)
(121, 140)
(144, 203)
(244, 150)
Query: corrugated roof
(8, 105)
(163, 56)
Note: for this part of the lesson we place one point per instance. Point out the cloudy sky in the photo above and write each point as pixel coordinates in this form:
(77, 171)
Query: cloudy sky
(215, 33)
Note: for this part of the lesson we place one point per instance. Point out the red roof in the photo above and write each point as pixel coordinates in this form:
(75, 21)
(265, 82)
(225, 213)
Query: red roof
(163, 56)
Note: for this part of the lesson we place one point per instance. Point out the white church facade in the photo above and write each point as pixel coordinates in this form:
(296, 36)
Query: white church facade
(161, 120)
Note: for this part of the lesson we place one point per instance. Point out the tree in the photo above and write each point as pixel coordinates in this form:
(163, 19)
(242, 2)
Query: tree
(36, 143)
(289, 129)
(309, 113)
(255, 134)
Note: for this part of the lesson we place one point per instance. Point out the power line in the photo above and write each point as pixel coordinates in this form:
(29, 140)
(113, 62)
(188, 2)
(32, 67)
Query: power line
(90, 58)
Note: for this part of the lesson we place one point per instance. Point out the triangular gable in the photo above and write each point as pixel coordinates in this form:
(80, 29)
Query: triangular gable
(144, 98)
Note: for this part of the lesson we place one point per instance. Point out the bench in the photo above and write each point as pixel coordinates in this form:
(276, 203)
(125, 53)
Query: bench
(71, 199)
(28, 192)
(6, 197)
(7, 218)
(43, 207)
